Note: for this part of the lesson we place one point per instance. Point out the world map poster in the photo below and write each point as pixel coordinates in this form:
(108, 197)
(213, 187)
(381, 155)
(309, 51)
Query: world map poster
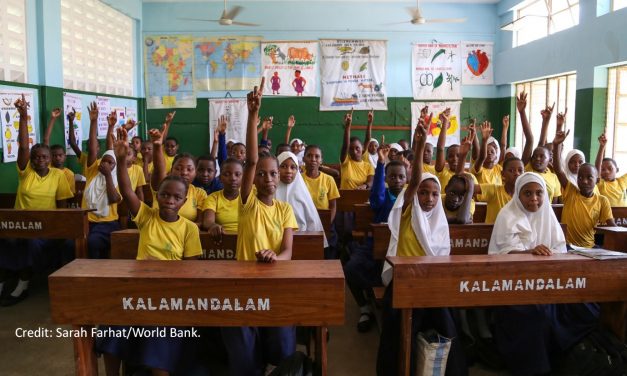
(168, 62)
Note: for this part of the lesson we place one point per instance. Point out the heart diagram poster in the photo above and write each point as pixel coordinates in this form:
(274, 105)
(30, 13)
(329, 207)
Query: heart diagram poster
(73, 102)
(11, 122)
(436, 71)
(290, 68)
(453, 131)
(352, 74)
(477, 67)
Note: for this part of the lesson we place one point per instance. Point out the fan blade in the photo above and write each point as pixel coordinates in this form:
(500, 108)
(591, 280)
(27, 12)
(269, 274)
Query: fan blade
(413, 12)
(244, 23)
(446, 20)
(197, 19)
(233, 12)
(397, 23)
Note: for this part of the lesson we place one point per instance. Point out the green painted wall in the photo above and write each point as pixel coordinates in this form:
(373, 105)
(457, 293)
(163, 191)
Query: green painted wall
(590, 120)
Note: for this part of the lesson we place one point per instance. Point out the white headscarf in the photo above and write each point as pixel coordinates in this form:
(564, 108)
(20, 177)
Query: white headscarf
(96, 191)
(297, 195)
(494, 142)
(514, 151)
(397, 147)
(431, 228)
(373, 158)
(572, 177)
(517, 229)
(301, 154)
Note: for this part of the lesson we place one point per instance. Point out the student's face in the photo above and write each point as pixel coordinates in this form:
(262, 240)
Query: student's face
(267, 176)
(313, 158)
(229, 146)
(394, 155)
(171, 197)
(491, 157)
(58, 158)
(40, 159)
(205, 171)
(512, 171)
(288, 170)
(549, 149)
(452, 157)
(130, 158)
(238, 152)
(540, 159)
(396, 178)
(455, 193)
(171, 148)
(136, 144)
(282, 149)
(608, 171)
(586, 179)
(428, 194)
(404, 144)
(355, 150)
(108, 162)
(531, 196)
(509, 155)
(185, 168)
(296, 147)
(146, 148)
(427, 156)
(231, 177)
(574, 163)
(372, 148)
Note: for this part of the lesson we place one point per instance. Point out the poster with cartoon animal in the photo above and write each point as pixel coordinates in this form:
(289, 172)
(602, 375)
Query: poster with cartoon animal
(477, 67)
(290, 68)
(11, 122)
(353, 74)
(436, 71)
(453, 131)
(73, 102)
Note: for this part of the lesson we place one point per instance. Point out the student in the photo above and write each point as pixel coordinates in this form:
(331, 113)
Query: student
(583, 207)
(396, 152)
(57, 152)
(163, 235)
(355, 173)
(297, 146)
(222, 211)
(238, 151)
(206, 171)
(487, 169)
(615, 189)
(39, 187)
(146, 153)
(264, 234)
(457, 199)
(573, 160)
(281, 148)
(136, 144)
(370, 144)
(528, 337)
(320, 185)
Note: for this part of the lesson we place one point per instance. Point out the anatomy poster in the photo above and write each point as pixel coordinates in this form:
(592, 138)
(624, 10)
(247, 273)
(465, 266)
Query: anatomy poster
(353, 74)
(73, 102)
(453, 132)
(477, 68)
(11, 122)
(290, 68)
(236, 111)
(436, 71)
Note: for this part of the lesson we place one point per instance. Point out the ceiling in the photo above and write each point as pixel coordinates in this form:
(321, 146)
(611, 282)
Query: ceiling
(321, 1)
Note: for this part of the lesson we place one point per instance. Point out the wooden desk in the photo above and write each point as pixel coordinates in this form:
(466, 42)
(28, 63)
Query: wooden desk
(557, 209)
(86, 293)
(363, 218)
(620, 216)
(325, 218)
(481, 209)
(614, 238)
(471, 281)
(350, 197)
(307, 245)
(47, 224)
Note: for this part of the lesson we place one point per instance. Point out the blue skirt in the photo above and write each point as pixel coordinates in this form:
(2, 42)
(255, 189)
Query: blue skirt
(39, 254)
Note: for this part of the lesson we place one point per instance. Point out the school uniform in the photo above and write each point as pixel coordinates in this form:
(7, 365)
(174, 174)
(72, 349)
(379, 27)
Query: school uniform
(430, 169)
(489, 175)
(496, 198)
(615, 191)
(322, 189)
(354, 173)
(136, 176)
(227, 211)
(446, 174)
(69, 176)
(581, 214)
(169, 160)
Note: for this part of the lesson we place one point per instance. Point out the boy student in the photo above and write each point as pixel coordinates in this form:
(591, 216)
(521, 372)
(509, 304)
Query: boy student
(57, 152)
(444, 173)
(355, 172)
(615, 189)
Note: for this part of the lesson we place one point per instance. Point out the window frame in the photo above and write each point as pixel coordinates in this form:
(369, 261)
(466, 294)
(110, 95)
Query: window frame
(6, 52)
(550, 23)
(613, 112)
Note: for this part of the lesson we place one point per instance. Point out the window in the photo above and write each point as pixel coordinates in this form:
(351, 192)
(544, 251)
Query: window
(12, 41)
(98, 48)
(619, 4)
(543, 17)
(617, 114)
(541, 93)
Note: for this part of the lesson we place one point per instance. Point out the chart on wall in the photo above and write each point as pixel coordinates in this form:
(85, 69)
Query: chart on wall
(227, 63)
(168, 63)
(290, 68)
(236, 112)
(104, 109)
(452, 133)
(71, 103)
(477, 67)
(11, 122)
(123, 115)
(436, 71)
(352, 74)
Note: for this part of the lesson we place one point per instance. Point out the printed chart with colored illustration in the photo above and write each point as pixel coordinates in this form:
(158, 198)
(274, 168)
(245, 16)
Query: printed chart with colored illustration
(453, 131)
(10, 119)
(436, 71)
(290, 68)
(477, 67)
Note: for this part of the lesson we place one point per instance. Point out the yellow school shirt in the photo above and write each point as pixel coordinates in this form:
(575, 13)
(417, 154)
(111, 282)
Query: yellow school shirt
(489, 175)
(168, 162)
(581, 214)
(227, 211)
(139, 160)
(90, 173)
(408, 244)
(136, 175)
(161, 240)
(428, 168)
(322, 189)
(354, 174)
(261, 226)
(615, 191)
(196, 200)
(69, 176)
(40, 192)
(446, 174)
(496, 197)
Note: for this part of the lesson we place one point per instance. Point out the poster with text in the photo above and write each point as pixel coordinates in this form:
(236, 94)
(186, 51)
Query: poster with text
(290, 68)
(436, 71)
(237, 115)
(453, 132)
(71, 102)
(104, 109)
(477, 67)
(131, 114)
(11, 122)
(353, 74)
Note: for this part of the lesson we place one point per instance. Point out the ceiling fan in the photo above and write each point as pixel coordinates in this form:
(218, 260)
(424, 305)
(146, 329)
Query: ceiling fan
(418, 19)
(227, 18)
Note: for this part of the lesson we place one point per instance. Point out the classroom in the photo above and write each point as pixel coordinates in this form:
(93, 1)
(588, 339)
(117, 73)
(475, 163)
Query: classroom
(347, 187)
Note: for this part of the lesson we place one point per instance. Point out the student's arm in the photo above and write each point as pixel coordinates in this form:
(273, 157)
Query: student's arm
(601, 152)
(475, 141)
(146, 160)
(92, 143)
(291, 122)
(546, 118)
(266, 125)
(214, 145)
(71, 136)
(377, 193)
(348, 119)
(558, 167)
(23, 150)
(504, 132)
(54, 115)
(166, 126)
(120, 147)
(440, 156)
(368, 130)
(330, 171)
(539, 250)
(521, 103)
(486, 132)
(113, 197)
(209, 223)
(253, 101)
(139, 191)
(112, 120)
(463, 213)
(420, 139)
(222, 140)
(286, 245)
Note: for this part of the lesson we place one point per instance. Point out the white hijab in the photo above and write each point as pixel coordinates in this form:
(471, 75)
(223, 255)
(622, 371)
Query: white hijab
(96, 191)
(297, 195)
(494, 142)
(431, 228)
(514, 151)
(517, 229)
(301, 154)
(572, 177)
(374, 158)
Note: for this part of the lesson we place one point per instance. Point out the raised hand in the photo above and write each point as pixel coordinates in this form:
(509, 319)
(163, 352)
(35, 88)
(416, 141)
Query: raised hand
(371, 116)
(253, 99)
(505, 123)
(121, 146)
(521, 102)
(486, 130)
(291, 122)
(420, 136)
(169, 117)
(383, 152)
(112, 119)
(561, 119)
(22, 106)
(348, 118)
(382, 139)
(71, 116)
(547, 112)
(55, 113)
(603, 139)
(93, 111)
(560, 136)
(156, 136)
(444, 118)
(466, 144)
(130, 124)
(267, 123)
(223, 123)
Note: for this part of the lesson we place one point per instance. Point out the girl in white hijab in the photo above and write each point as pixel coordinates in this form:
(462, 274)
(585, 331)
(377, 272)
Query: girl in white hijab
(373, 157)
(513, 152)
(96, 192)
(292, 189)
(527, 223)
(573, 165)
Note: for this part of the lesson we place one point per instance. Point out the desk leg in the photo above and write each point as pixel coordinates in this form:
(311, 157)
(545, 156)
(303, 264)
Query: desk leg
(405, 348)
(321, 348)
(84, 357)
(80, 248)
(613, 317)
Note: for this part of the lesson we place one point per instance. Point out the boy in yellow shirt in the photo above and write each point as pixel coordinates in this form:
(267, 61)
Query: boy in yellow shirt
(615, 189)
(355, 172)
(57, 152)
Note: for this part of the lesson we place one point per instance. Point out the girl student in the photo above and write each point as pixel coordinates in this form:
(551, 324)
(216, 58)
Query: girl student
(297, 146)
(320, 185)
(583, 207)
(418, 227)
(457, 197)
(615, 189)
(370, 144)
(183, 166)
(39, 187)
(355, 172)
(487, 169)
(264, 234)
(57, 152)
(163, 235)
(222, 212)
(528, 337)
